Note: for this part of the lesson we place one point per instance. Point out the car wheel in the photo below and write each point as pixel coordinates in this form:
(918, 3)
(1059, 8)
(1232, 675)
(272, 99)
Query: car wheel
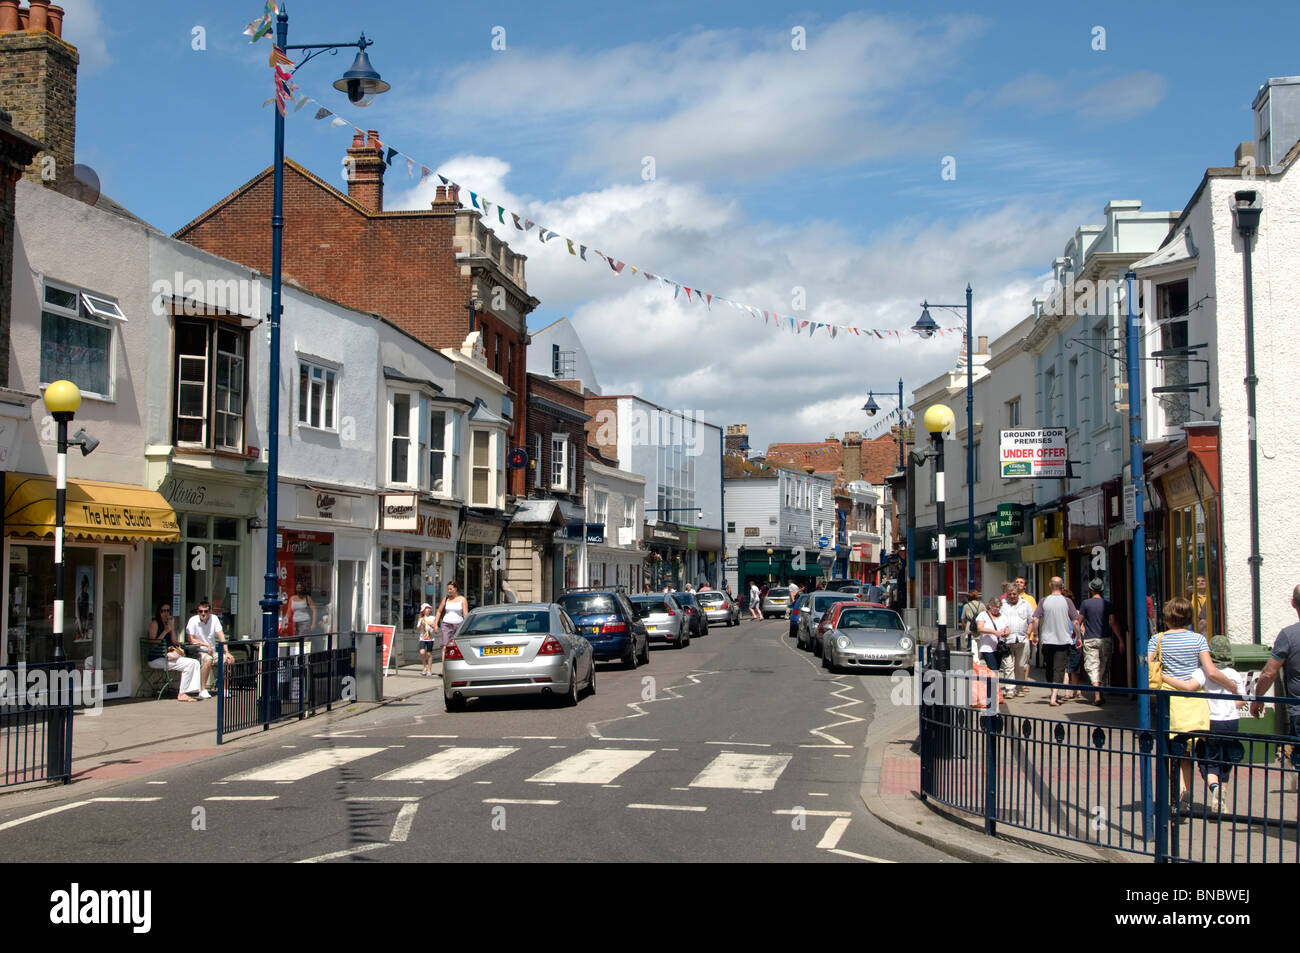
(826, 661)
(629, 662)
(645, 652)
(815, 647)
(680, 642)
(453, 702)
(570, 698)
(591, 679)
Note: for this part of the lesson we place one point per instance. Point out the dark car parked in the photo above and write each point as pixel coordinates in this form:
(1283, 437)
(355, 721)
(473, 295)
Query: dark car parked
(699, 623)
(606, 619)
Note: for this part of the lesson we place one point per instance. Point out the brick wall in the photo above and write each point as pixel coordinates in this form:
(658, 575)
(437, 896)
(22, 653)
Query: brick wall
(544, 423)
(602, 428)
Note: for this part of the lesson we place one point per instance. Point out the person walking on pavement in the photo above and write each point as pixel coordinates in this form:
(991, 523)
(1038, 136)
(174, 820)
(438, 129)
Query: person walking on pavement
(969, 613)
(1212, 752)
(1053, 626)
(428, 633)
(991, 630)
(753, 601)
(1100, 625)
(1017, 616)
(451, 613)
(1284, 660)
(1024, 594)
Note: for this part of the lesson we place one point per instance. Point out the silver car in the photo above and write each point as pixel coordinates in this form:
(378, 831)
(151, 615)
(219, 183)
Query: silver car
(776, 602)
(519, 649)
(818, 602)
(664, 619)
(866, 637)
(719, 607)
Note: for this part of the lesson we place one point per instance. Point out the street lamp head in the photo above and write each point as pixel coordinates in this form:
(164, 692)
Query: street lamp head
(871, 406)
(769, 551)
(63, 397)
(925, 325)
(362, 79)
(939, 419)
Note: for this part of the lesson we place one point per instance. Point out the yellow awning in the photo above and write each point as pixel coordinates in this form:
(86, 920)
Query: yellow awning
(94, 510)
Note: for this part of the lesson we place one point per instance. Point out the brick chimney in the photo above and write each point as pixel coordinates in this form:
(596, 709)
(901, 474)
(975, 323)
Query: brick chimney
(366, 181)
(38, 85)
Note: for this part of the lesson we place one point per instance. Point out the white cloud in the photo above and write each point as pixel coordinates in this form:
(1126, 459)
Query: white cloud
(1116, 99)
(84, 28)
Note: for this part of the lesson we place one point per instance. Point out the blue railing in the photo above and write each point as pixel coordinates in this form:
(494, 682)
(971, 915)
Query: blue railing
(1110, 786)
(36, 703)
(274, 680)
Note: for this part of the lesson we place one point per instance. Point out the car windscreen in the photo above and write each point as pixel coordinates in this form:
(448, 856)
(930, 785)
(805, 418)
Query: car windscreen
(645, 607)
(518, 622)
(684, 599)
(712, 598)
(778, 593)
(823, 600)
(869, 619)
(588, 603)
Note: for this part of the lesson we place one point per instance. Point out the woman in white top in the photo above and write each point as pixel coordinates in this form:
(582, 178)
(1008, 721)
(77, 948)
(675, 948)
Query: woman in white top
(991, 630)
(451, 612)
(302, 611)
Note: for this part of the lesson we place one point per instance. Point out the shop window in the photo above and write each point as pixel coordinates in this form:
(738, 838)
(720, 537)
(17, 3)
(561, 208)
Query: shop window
(317, 395)
(211, 384)
(436, 447)
(400, 442)
(77, 339)
(482, 483)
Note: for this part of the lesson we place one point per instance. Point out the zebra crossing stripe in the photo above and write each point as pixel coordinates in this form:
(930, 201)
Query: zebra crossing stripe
(593, 766)
(745, 772)
(304, 765)
(446, 765)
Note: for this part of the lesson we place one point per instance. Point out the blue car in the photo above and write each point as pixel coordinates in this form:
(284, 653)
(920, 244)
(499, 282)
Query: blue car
(606, 619)
(795, 609)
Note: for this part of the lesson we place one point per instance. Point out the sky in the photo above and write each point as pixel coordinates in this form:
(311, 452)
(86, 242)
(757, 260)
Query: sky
(837, 163)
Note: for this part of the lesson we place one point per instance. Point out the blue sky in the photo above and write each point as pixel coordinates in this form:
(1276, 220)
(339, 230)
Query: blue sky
(775, 168)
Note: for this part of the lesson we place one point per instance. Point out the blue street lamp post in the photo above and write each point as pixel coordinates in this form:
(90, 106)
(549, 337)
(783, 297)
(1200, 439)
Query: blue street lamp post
(358, 82)
(926, 326)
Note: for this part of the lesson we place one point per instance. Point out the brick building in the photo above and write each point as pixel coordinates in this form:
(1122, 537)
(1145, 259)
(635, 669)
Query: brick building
(422, 269)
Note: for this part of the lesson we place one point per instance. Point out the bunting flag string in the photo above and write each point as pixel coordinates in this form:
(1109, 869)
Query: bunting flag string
(285, 88)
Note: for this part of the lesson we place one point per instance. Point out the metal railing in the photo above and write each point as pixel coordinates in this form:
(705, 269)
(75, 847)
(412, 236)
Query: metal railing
(1110, 786)
(36, 704)
(274, 680)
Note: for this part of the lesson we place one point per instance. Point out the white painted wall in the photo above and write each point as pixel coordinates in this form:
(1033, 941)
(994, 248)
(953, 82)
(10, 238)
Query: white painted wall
(540, 352)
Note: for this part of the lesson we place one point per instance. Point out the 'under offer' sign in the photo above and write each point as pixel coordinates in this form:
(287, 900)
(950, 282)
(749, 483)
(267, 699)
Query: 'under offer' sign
(1034, 453)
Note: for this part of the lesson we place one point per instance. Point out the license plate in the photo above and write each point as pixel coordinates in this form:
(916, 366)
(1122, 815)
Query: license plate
(500, 650)
(652, 628)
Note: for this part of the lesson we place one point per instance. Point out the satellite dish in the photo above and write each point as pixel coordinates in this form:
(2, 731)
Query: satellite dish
(85, 184)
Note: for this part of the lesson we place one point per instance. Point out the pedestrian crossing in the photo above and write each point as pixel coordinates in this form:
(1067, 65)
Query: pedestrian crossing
(738, 771)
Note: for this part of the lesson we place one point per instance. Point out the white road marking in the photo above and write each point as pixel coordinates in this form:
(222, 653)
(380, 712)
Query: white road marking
(155, 782)
(482, 782)
(305, 765)
(739, 744)
(681, 789)
(67, 807)
(335, 855)
(742, 771)
(667, 807)
(405, 818)
(516, 800)
(664, 694)
(433, 736)
(817, 794)
(244, 797)
(816, 813)
(841, 756)
(446, 765)
(593, 766)
(873, 860)
(826, 746)
(670, 749)
(831, 839)
(528, 738)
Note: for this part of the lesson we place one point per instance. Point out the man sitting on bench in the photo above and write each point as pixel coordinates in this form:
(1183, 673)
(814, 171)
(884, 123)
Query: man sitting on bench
(166, 653)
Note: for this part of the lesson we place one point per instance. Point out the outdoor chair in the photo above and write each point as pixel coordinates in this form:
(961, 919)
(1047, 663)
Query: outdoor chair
(155, 680)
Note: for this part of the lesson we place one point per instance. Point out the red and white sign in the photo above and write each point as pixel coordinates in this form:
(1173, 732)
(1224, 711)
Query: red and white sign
(387, 632)
(1034, 453)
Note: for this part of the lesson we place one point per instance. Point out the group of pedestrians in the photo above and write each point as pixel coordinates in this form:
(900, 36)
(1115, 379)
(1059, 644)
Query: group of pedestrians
(167, 651)
(439, 627)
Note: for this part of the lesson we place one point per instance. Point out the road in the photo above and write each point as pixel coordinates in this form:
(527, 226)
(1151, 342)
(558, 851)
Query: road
(739, 748)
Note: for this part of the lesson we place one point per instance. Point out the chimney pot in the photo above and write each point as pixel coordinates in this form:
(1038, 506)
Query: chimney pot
(358, 140)
(38, 15)
(984, 344)
(56, 21)
(22, 18)
(8, 16)
(373, 136)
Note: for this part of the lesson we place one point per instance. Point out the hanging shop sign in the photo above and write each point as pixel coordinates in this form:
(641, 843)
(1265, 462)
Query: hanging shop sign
(399, 512)
(1033, 453)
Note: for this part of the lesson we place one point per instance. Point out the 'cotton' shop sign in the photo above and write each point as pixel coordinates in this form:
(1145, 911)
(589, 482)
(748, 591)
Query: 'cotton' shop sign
(1034, 453)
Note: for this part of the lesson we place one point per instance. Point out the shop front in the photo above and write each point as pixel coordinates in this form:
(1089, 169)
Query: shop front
(613, 562)
(105, 614)
(323, 545)
(706, 545)
(666, 563)
(1193, 566)
(213, 557)
(959, 565)
(1045, 556)
(416, 560)
(480, 557)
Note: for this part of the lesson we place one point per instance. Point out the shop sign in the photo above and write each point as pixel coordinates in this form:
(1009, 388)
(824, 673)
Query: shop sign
(1180, 490)
(1010, 520)
(751, 530)
(659, 535)
(485, 532)
(1131, 518)
(184, 494)
(1033, 453)
(399, 512)
(595, 532)
(323, 505)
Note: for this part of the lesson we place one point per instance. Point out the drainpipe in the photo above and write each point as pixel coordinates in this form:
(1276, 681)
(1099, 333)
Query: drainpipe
(722, 510)
(1246, 212)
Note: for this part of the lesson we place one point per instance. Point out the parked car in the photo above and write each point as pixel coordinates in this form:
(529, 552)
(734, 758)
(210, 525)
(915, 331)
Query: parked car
(818, 603)
(863, 635)
(718, 607)
(799, 605)
(607, 620)
(699, 624)
(517, 649)
(843, 585)
(663, 618)
(776, 603)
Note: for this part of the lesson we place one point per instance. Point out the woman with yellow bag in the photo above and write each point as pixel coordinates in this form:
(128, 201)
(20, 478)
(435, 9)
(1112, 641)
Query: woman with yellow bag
(1179, 652)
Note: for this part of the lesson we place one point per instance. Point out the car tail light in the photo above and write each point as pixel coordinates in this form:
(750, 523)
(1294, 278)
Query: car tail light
(726, 605)
(671, 612)
(451, 651)
(551, 646)
(611, 627)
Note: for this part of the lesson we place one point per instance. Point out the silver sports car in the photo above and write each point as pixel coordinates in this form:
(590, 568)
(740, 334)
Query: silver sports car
(518, 649)
(864, 637)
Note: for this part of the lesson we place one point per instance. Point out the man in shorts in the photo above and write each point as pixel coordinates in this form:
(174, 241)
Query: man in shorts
(204, 630)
